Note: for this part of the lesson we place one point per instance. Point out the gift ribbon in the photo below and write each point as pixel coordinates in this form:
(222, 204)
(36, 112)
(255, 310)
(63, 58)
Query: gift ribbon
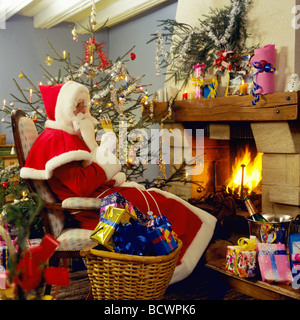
(109, 222)
(199, 68)
(262, 67)
(272, 254)
(213, 88)
(245, 244)
(131, 238)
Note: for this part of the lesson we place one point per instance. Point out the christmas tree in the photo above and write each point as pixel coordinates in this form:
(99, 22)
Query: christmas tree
(117, 99)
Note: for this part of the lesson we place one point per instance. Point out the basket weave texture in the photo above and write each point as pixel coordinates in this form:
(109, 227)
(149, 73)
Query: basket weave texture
(116, 276)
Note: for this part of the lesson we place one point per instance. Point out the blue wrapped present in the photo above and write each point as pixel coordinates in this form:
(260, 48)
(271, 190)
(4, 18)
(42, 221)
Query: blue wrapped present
(294, 246)
(117, 200)
(162, 240)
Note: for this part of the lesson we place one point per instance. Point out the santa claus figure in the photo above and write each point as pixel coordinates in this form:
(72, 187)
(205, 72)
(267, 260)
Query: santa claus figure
(67, 155)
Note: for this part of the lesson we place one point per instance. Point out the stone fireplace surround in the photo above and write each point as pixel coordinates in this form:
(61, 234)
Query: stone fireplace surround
(278, 140)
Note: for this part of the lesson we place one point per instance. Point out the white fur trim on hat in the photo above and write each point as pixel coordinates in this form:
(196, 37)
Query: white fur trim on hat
(195, 250)
(70, 94)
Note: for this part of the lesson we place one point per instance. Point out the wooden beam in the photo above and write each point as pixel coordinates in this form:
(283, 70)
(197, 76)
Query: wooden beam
(13, 7)
(59, 11)
(120, 11)
(281, 106)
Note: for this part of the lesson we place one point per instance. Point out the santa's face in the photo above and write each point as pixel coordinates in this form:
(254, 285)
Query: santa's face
(80, 108)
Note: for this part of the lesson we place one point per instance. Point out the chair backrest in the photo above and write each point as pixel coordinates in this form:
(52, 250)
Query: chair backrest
(25, 134)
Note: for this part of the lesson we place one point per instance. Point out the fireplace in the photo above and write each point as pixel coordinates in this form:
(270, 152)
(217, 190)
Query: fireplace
(272, 127)
(275, 144)
(231, 167)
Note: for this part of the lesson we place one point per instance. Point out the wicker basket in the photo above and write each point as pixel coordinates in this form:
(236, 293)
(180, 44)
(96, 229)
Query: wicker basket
(116, 276)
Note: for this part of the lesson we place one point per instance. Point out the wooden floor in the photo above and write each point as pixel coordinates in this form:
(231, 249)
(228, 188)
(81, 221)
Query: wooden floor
(253, 287)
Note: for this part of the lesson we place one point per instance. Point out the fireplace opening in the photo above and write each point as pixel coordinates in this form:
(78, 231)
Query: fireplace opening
(232, 168)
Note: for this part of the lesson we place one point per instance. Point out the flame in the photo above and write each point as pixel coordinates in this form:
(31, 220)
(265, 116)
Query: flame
(252, 171)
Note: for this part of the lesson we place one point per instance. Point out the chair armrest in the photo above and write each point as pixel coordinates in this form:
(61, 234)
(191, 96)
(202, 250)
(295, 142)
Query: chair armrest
(77, 203)
(53, 206)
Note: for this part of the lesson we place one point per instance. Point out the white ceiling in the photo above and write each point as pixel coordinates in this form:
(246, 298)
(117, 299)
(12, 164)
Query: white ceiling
(48, 13)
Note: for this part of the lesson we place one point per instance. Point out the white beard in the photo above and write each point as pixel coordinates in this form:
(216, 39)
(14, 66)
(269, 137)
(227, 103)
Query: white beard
(84, 126)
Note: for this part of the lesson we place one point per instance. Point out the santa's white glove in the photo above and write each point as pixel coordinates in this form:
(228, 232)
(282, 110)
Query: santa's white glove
(120, 178)
(133, 184)
(108, 162)
(109, 141)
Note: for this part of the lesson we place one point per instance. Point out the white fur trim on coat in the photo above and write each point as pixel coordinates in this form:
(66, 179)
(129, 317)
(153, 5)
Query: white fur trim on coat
(195, 250)
(55, 162)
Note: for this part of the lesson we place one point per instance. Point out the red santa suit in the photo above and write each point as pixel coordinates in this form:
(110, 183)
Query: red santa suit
(67, 155)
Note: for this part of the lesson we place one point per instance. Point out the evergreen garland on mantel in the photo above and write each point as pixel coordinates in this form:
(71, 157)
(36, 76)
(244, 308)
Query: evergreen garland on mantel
(222, 29)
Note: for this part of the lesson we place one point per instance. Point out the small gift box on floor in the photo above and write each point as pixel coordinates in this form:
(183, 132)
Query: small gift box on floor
(241, 259)
(273, 263)
(107, 225)
(117, 200)
(294, 246)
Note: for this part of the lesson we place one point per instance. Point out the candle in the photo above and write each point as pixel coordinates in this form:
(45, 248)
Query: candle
(64, 54)
(41, 83)
(184, 96)
(243, 87)
(4, 104)
(160, 95)
(91, 59)
(30, 94)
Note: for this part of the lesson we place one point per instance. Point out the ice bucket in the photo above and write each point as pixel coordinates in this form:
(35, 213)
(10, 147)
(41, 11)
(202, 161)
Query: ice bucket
(273, 231)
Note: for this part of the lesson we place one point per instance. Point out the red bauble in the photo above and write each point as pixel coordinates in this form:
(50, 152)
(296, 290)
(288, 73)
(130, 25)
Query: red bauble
(4, 185)
(132, 56)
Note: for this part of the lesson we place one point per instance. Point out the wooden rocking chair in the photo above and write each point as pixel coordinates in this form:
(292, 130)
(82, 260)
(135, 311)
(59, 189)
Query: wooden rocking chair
(55, 212)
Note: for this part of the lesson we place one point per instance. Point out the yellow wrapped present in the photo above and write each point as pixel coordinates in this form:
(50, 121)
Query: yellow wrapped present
(107, 225)
(241, 259)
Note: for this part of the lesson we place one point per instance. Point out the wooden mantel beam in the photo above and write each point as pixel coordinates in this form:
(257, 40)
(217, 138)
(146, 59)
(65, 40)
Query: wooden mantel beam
(280, 106)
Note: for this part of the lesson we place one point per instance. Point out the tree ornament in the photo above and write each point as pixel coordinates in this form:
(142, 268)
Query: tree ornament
(48, 61)
(132, 56)
(4, 185)
(74, 33)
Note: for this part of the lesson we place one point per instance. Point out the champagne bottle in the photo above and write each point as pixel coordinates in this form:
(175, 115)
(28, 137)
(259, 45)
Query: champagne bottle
(254, 214)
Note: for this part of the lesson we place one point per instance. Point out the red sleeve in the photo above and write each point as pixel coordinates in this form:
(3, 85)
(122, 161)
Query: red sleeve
(82, 181)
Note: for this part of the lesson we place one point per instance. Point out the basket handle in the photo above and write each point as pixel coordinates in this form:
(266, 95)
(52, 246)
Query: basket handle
(148, 206)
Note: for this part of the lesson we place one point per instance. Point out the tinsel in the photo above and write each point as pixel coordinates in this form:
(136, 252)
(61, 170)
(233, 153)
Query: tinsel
(204, 32)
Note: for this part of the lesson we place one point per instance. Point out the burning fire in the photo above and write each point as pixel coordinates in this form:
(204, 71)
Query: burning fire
(246, 172)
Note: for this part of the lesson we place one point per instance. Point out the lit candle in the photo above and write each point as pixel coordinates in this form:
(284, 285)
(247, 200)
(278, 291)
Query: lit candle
(41, 83)
(64, 54)
(91, 59)
(4, 103)
(30, 95)
(243, 87)
(184, 96)
(24, 195)
(186, 176)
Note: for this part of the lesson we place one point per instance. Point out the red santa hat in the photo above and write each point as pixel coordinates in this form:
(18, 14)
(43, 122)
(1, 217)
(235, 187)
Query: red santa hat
(60, 101)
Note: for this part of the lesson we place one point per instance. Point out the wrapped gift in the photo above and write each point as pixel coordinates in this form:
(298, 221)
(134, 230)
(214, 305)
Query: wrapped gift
(132, 238)
(107, 225)
(210, 88)
(117, 200)
(162, 239)
(294, 246)
(241, 259)
(273, 263)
